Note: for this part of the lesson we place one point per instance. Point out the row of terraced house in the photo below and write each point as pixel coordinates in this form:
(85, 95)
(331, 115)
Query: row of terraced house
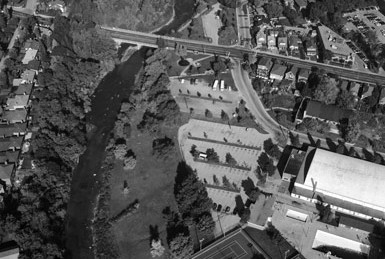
(14, 118)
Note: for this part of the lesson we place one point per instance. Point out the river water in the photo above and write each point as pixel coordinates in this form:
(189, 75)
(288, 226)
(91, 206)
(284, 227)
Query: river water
(112, 90)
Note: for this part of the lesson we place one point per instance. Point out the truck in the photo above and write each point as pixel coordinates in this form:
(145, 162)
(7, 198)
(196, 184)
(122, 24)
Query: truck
(215, 85)
(222, 85)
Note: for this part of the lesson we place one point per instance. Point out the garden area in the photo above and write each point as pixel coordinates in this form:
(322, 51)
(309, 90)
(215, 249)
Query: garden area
(228, 34)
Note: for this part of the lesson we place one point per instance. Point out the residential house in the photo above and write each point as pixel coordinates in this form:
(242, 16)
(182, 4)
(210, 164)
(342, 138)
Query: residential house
(5, 176)
(367, 91)
(303, 75)
(261, 39)
(271, 42)
(292, 74)
(282, 43)
(30, 55)
(30, 44)
(382, 97)
(28, 75)
(293, 42)
(278, 72)
(329, 113)
(57, 5)
(264, 66)
(17, 102)
(355, 89)
(336, 46)
(11, 144)
(289, 3)
(15, 116)
(4, 96)
(17, 81)
(344, 85)
(9, 250)
(23, 89)
(300, 4)
(9, 130)
(9, 157)
(311, 50)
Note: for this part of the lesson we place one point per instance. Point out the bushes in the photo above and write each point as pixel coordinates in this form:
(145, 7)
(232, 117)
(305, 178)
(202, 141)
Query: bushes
(272, 149)
(266, 164)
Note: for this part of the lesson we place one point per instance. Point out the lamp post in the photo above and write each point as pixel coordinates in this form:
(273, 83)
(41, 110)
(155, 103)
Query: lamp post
(200, 243)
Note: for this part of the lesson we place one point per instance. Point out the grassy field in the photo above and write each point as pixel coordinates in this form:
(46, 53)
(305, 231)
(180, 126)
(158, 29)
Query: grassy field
(152, 183)
(194, 31)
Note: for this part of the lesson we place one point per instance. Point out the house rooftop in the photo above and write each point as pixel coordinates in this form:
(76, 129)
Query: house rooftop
(12, 142)
(8, 130)
(301, 3)
(18, 101)
(265, 62)
(9, 157)
(30, 54)
(14, 116)
(23, 89)
(278, 70)
(294, 162)
(28, 75)
(304, 73)
(5, 175)
(31, 44)
(327, 112)
(334, 42)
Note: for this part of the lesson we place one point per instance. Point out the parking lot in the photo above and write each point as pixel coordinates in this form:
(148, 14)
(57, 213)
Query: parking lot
(366, 19)
(200, 96)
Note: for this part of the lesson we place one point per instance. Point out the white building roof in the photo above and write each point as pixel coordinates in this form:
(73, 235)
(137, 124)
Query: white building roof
(326, 239)
(18, 101)
(30, 54)
(347, 178)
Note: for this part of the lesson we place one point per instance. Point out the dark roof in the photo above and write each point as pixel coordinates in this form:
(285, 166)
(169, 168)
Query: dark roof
(294, 162)
(264, 61)
(273, 247)
(7, 130)
(278, 70)
(9, 157)
(301, 3)
(327, 112)
(34, 64)
(6, 171)
(7, 143)
(354, 222)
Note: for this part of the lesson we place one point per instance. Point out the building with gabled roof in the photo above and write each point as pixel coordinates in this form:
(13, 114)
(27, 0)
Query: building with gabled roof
(292, 73)
(30, 55)
(28, 75)
(300, 4)
(23, 89)
(17, 102)
(12, 143)
(278, 72)
(14, 116)
(16, 129)
(260, 38)
(9, 157)
(282, 43)
(303, 75)
(330, 113)
(263, 68)
(6, 174)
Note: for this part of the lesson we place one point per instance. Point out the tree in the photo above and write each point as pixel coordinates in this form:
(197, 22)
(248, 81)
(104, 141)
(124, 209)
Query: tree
(215, 180)
(271, 149)
(208, 113)
(327, 90)
(212, 156)
(266, 164)
(226, 182)
(260, 175)
(224, 116)
(205, 224)
(254, 194)
(245, 215)
(345, 100)
(351, 131)
(273, 9)
(290, 14)
(157, 249)
(294, 139)
(194, 152)
(181, 247)
(230, 160)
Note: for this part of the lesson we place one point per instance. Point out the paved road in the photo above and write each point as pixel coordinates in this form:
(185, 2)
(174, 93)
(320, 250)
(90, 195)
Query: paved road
(238, 52)
(243, 23)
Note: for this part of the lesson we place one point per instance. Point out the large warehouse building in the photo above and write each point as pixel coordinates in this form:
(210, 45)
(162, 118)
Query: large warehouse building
(348, 184)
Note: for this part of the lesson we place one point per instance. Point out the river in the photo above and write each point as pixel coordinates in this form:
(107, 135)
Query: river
(112, 90)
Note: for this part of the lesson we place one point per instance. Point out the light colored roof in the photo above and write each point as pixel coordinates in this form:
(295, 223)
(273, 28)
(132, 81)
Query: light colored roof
(28, 75)
(18, 101)
(334, 42)
(301, 3)
(30, 54)
(17, 81)
(347, 177)
(327, 239)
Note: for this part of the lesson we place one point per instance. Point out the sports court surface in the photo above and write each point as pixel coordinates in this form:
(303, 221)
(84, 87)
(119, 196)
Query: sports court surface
(236, 245)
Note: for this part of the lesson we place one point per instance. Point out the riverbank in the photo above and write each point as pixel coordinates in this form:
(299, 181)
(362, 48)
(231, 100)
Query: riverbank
(168, 22)
(114, 88)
